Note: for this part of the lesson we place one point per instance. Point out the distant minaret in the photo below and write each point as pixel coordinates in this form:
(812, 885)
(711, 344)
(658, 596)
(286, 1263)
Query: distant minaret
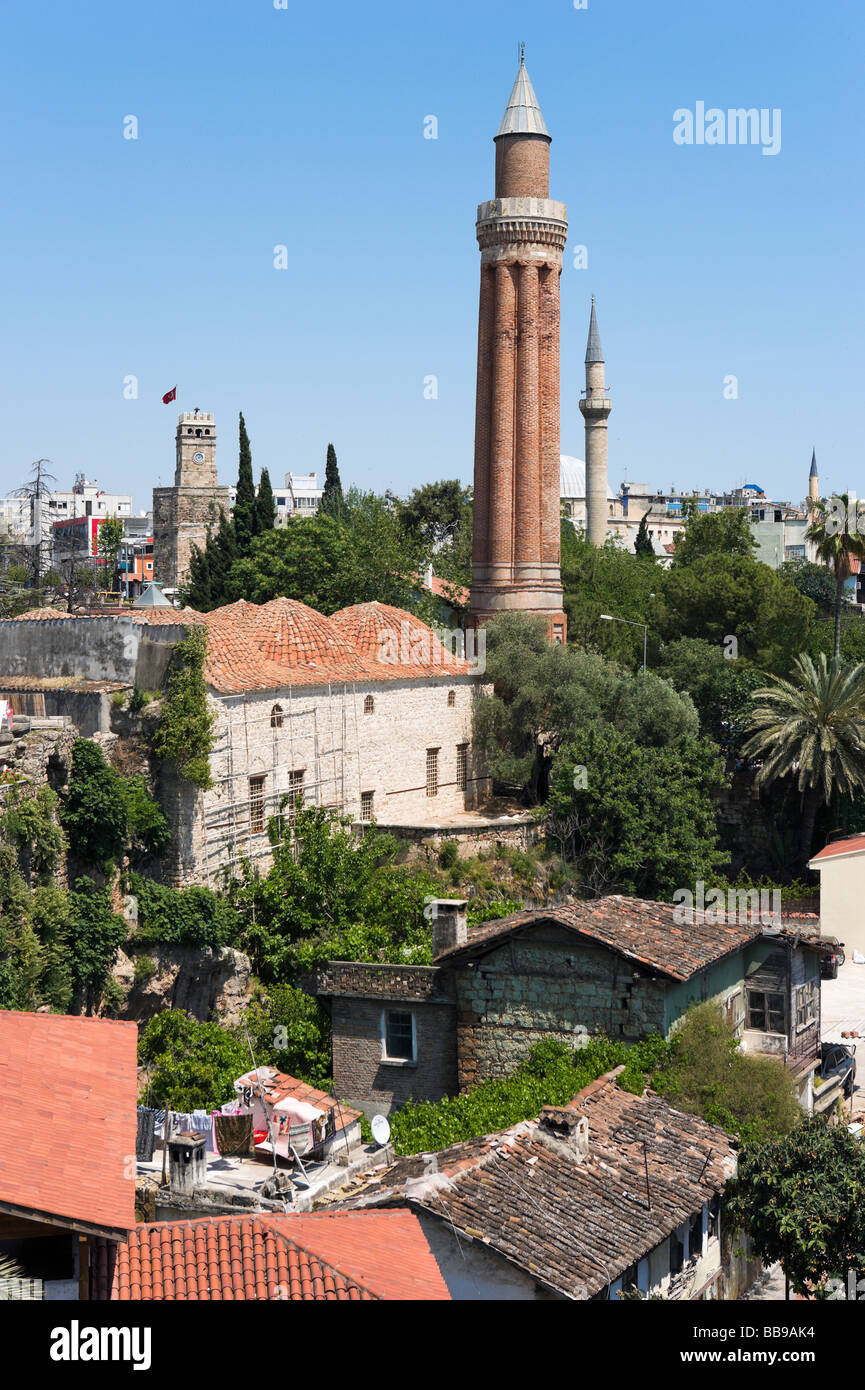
(596, 407)
(813, 481)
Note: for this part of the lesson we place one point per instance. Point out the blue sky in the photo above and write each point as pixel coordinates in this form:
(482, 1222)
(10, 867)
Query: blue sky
(304, 126)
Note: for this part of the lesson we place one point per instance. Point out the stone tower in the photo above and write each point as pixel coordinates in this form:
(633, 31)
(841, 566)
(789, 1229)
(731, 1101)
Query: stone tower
(813, 481)
(522, 234)
(596, 406)
(182, 514)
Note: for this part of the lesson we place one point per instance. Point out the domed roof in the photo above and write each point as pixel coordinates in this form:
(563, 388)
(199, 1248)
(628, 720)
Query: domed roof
(284, 642)
(393, 637)
(573, 479)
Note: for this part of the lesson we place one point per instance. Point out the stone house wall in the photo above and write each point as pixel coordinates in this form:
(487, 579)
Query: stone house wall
(323, 736)
(547, 985)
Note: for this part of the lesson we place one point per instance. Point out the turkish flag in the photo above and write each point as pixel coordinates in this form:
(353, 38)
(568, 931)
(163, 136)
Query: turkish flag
(170, 396)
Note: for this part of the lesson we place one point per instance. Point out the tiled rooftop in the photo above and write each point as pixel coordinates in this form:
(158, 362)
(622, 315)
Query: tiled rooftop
(284, 643)
(574, 1226)
(276, 1085)
(645, 932)
(353, 1257)
(68, 1093)
(854, 844)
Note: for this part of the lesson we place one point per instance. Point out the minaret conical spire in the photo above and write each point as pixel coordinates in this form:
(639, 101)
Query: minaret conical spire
(523, 114)
(594, 351)
(814, 471)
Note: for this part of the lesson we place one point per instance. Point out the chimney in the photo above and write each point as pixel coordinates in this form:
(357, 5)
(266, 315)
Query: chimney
(187, 1162)
(449, 924)
(565, 1131)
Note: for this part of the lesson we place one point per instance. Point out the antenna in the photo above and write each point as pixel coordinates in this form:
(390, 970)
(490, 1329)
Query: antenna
(522, 54)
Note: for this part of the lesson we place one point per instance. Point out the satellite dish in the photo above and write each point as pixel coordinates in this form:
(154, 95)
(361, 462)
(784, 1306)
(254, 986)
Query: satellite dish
(380, 1130)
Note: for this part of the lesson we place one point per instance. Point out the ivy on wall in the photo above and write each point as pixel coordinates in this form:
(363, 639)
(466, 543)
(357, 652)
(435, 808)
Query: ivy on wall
(184, 732)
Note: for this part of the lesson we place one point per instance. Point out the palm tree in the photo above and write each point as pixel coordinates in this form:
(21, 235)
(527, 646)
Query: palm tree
(836, 546)
(812, 728)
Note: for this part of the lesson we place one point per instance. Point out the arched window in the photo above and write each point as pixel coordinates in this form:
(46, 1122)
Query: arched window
(198, 434)
(369, 705)
(452, 698)
(276, 717)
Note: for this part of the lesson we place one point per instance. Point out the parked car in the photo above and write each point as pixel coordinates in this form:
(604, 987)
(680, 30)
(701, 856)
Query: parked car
(838, 1060)
(830, 962)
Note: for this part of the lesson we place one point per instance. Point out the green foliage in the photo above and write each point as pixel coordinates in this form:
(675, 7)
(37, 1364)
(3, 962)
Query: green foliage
(554, 691)
(822, 638)
(31, 824)
(726, 532)
(720, 688)
(145, 969)
(439, 517)
(94, 809)
(799, 1198)
(492, 911)
(449, 854)
(643, 544)
(608, 579)
(105, 815)
(717, 595)
(96, 933)
(245, 517)
(184, 734)
(139, 699)
(197, 591)
(195, 917)
(265, 506)
(189, 1065)
(290, 1030)
(332, 896)
(814, 581)
(644, 822)
(329, 562)
(837, 546)
(706, 1073)
(20, 956)
(332, 501)
(552, 1074)
(812, 729)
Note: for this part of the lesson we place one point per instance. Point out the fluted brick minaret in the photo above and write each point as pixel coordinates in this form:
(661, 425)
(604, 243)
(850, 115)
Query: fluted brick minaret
(596, 406)
(522, 234)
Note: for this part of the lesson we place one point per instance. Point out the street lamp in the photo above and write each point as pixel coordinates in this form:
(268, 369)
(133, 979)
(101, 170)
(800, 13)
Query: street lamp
(608, 618)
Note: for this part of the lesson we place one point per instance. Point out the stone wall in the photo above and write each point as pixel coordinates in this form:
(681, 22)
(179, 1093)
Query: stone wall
(206, 984)
(364, 1080)
(548, 985)
(112, 649)
(324, 735)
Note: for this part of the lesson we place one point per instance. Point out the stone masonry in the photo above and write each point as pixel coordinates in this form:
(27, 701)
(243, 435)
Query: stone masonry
(183, 514)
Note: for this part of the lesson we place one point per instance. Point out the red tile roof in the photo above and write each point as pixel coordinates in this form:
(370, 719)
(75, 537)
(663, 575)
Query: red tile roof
(642, 931)
(854, 845)
(444, 588)
(285, 643)
(573, 1225)
(352, 1257)
(68, 1093)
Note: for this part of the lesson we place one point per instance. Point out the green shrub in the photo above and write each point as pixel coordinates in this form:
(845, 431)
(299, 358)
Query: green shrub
(145, 969)
(449, 854)
(195, 917)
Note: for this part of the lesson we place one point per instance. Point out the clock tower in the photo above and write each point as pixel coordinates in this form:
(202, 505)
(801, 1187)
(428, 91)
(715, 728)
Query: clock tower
(183, 514)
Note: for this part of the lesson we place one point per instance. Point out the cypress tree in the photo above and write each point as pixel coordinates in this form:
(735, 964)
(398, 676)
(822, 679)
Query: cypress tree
(224, 551)
(245, 519)
(265, 507)
(196, 590)
(643, 543)
(332, 502)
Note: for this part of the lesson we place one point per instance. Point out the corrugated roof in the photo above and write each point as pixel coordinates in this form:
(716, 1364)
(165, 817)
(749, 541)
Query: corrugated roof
(346, 1258)
(68, 1089)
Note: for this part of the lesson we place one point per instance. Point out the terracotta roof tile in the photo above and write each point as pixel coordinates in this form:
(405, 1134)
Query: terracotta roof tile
(642, 931)
(573, 1225)
(68, 1090)
(358, 1256)
(284, 643)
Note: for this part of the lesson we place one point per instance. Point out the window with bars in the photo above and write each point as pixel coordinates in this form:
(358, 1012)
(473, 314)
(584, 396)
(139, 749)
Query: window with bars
(276, 717)
(766, 1011)
(452, 699)
(295, 795)
(366, 800)
(369, 705)
(399, 1037)
(256, 805)
(462, 766)
(432, 772)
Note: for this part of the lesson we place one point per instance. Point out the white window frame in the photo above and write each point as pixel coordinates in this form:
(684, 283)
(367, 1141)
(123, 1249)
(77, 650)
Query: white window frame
(398, 1061)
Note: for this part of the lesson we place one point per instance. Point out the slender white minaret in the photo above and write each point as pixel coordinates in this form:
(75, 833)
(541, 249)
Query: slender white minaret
(596, 406)
(813, 481)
